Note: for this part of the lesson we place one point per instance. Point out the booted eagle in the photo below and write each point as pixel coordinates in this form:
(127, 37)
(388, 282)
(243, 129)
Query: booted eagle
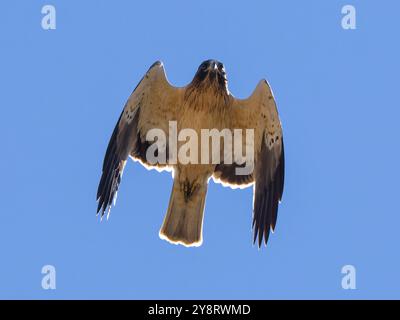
(205, 103)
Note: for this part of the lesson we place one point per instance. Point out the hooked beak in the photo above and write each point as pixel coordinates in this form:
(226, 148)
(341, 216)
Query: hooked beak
(213, 67)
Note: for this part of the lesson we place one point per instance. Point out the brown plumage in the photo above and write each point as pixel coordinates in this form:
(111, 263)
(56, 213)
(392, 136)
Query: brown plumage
(203, 104)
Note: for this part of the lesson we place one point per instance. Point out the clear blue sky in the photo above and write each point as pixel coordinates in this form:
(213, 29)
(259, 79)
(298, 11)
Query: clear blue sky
(337, 91)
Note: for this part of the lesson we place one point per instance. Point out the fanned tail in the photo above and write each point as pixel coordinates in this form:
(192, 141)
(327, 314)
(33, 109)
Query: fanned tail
(183, 223)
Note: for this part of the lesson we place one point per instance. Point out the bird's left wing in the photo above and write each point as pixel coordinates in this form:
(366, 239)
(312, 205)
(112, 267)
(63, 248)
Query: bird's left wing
(259, 112)
(151, 105)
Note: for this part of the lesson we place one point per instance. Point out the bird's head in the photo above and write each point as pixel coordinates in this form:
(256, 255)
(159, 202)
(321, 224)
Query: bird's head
(211, 73)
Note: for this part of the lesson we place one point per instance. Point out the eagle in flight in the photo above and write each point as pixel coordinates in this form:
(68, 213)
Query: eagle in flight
(205, 103)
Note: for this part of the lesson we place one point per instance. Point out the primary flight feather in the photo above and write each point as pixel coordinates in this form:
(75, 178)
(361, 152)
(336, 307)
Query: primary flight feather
(205, 103)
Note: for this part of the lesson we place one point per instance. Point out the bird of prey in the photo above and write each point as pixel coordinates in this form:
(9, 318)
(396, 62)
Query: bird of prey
(204, 103)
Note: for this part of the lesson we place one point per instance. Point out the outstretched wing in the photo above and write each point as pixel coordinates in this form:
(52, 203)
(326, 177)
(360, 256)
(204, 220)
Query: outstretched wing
(259, 112)
(151, 105)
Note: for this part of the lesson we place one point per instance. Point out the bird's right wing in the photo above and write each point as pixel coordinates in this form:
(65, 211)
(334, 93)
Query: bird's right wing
(151, 105)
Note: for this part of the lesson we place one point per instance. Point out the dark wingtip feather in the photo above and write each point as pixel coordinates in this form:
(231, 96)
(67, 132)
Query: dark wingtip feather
(268, 193)
(108, 187)
(113, 167)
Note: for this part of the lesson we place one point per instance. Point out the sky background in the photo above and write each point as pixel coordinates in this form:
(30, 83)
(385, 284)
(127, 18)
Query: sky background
(62, 92)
